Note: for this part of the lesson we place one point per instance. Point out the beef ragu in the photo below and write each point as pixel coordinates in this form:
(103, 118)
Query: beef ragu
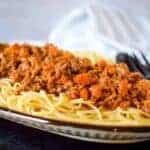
(54, 70)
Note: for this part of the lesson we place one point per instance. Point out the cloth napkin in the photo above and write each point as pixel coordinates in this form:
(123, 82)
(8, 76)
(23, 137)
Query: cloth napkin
(105, 28)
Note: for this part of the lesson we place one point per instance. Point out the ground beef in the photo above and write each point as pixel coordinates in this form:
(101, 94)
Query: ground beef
(54, 70)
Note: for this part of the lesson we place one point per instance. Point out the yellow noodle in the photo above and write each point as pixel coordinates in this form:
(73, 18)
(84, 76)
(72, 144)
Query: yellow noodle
(61, 107)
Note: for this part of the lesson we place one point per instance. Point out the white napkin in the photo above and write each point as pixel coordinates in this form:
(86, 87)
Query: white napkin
(104, 29)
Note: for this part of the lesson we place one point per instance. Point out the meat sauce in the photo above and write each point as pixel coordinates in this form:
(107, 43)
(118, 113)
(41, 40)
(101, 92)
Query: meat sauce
(54, 70)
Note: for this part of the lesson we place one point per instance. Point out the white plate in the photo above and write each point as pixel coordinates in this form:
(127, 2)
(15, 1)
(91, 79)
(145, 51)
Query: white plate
(85, 133)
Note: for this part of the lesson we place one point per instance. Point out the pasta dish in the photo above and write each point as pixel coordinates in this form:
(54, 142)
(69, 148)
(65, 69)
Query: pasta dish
(48, 82)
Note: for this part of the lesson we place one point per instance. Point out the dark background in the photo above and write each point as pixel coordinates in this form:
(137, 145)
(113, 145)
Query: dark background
(17, 137)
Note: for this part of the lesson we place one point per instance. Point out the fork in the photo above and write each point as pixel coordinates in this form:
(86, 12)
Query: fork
(135, 64)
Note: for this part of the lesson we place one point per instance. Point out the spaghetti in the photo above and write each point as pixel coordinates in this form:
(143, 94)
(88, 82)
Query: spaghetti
(60, 108)
(84, 92)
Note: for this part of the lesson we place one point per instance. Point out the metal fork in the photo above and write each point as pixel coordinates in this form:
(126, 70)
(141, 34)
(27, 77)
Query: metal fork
(135, 64)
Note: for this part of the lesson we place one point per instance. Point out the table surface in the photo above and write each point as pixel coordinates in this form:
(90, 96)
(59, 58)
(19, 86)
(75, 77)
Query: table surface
(34, 19)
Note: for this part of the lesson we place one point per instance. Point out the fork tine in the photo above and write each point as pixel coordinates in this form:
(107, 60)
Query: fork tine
(132, 65)
(126, 58)
(139, 65)
(145, 59)
(136, 60)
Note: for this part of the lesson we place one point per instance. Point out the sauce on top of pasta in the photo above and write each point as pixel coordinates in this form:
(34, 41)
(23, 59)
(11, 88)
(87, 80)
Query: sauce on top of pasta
(55, 71)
